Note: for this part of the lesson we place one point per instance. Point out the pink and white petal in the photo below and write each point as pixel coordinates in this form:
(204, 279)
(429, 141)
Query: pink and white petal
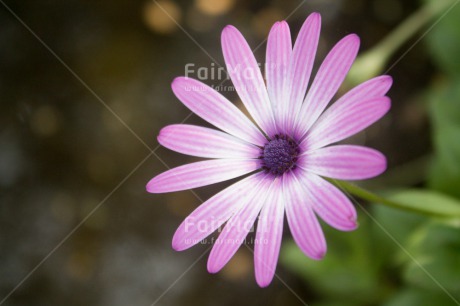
(330, 76)
(237, 227)
(329, 202)
(247, 78)
(304, 225)
(303, 58)
(210, 105)
(201, 173)
(344, 120)
(204, 142)
(375, 87)
(279, 49)
(344, 162)
(214, 212)
(268, 237)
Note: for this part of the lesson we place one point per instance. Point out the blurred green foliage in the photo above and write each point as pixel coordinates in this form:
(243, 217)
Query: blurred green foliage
(349, 271)
(445, 116)
(396, 257)
(443, 41)
(444, 104)
(436, 247)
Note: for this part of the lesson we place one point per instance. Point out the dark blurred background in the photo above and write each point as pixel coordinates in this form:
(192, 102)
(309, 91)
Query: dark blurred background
(65, 156)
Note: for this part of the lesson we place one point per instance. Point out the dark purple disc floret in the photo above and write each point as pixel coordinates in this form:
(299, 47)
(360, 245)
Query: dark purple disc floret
(279, 155)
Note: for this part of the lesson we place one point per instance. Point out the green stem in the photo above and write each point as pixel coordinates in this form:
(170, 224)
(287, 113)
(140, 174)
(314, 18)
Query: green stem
(372, 62)
(412, 25)
(364, 194)
(408, 174)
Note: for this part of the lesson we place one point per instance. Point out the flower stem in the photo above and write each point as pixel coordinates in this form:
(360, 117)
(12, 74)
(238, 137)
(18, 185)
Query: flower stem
(372, 62)
(365, 194)
(440, 207)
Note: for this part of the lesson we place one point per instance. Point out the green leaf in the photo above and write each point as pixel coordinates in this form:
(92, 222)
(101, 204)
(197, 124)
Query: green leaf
(427, 201)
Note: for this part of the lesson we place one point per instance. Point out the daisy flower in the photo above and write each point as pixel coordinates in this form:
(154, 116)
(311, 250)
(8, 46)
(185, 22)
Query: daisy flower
(285, 157)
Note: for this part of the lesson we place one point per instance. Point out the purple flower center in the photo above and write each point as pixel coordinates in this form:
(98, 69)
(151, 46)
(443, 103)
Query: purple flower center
(279, 155)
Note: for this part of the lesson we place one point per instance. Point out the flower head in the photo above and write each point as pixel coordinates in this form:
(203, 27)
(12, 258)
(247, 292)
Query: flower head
(287, 154)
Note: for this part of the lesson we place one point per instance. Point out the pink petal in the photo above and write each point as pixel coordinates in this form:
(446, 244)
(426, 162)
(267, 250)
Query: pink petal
(376, 87)
(329, 202)
(303, 58)
(344, 120)
(214, 212)
(344, 162)
(216, 109)
(327, 81)
(205, 142)
(247, 78)
(279, 49)
(269, 234)
(237, 227)
(304, 225)
(200, 174)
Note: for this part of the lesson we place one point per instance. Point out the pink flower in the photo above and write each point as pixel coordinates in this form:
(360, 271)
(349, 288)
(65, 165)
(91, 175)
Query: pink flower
(286, 156)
